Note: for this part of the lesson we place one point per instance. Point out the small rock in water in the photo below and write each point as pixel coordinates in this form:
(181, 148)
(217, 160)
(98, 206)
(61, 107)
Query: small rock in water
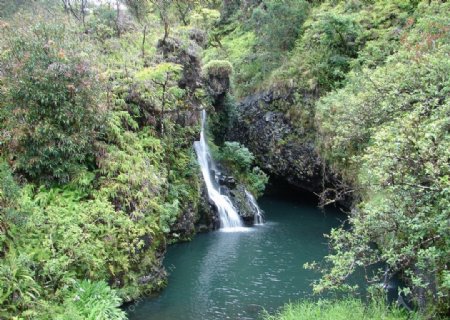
(254, 308)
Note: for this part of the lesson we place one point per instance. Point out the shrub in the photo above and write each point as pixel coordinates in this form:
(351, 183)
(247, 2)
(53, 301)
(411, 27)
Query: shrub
(239, 160)
(257, 181)
(92, 301)
(347, 309)
(386, 131)
(236, 156)
(218, 68)
(51, 103)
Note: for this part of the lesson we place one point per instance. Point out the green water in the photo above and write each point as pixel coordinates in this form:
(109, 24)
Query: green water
(235, 275)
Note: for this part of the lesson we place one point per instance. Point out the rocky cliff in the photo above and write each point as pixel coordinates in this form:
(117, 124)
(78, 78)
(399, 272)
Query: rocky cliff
(281, 149)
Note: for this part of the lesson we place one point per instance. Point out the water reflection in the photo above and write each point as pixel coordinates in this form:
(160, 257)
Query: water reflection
(223, 275)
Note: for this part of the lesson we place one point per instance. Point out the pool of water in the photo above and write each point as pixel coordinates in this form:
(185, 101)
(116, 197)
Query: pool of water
(222, 275)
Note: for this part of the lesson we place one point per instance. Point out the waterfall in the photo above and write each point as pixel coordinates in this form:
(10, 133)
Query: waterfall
(229, 218)
(259, 218)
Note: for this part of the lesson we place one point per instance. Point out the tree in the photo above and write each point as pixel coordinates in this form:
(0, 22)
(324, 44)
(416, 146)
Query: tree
(77, 8)
(163, 77)
(8, 7)
(139, 8)
(205, 18)
(163, 7)
(386, 131)
(51, 106)
(277, 25)
(228, 8)
(184, 8)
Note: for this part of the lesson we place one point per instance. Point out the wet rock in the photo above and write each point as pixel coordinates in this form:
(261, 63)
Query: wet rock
(237, 194)
(218, 86)
(157, 273)
(186, 54)
(228, 181)
(207, 213)
(203, 228)
(243, 204)
(281, 149)
(184, 227)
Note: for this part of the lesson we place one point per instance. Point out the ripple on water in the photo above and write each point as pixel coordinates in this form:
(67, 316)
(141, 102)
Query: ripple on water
(234, 274)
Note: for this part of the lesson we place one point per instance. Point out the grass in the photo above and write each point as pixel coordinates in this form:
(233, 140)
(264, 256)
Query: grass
(348, 309)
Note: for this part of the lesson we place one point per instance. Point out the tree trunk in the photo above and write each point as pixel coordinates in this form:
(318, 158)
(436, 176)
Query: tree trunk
(143, 45)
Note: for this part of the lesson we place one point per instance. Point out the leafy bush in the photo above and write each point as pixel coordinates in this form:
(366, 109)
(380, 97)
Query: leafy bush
(86, 191)
(103, 23)
(347, 309)
(387, 132)
(19, 290)
(52, 103)
(237, 47)
(239, 160)
(257, 181)
(277, 25)
(218, 68)
(342, 36)
(205, 18)
(236, 156)
(92, 301)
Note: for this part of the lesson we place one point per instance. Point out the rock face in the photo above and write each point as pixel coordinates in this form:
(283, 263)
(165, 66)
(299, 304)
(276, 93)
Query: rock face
(197, 217)
(243, 205)
(207, 215)
(186, 54)
(280, 149)
(218, 87)
(237, 194)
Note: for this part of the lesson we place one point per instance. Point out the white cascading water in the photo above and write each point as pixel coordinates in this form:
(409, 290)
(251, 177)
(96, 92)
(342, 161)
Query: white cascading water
(259, 218)
(229, 218)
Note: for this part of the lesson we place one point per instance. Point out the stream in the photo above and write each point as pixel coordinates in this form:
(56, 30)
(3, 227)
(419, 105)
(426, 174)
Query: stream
(236, 275)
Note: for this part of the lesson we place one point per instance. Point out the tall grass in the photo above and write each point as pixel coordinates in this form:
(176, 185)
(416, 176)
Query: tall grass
(347, 309)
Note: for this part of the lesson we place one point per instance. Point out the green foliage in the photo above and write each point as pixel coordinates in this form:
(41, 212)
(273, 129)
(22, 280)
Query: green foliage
(51, 103)
(111, 182)
(346, 309)
(7, 8)
(121, 184)
(239, 160)
(216, 68)
(387, 132)
(9, 190)
(340, 36)
(332, 41)
(103, 23)
(160, 72)
(205, 18)
(237, 48)
(92, 300)
(236, 156)
(370, 80)
(19, 290)
(138, 8)
(160, 87)
(221, 121)
(257, 49)
(257, 180)
(277, 25)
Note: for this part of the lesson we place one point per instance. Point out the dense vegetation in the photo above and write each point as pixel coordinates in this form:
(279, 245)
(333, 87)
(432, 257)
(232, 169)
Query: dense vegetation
(96, 159)
(99, 108)
(370, 81)
(346, 309)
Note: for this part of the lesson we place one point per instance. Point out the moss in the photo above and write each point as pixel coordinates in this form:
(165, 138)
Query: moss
(218, 68)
